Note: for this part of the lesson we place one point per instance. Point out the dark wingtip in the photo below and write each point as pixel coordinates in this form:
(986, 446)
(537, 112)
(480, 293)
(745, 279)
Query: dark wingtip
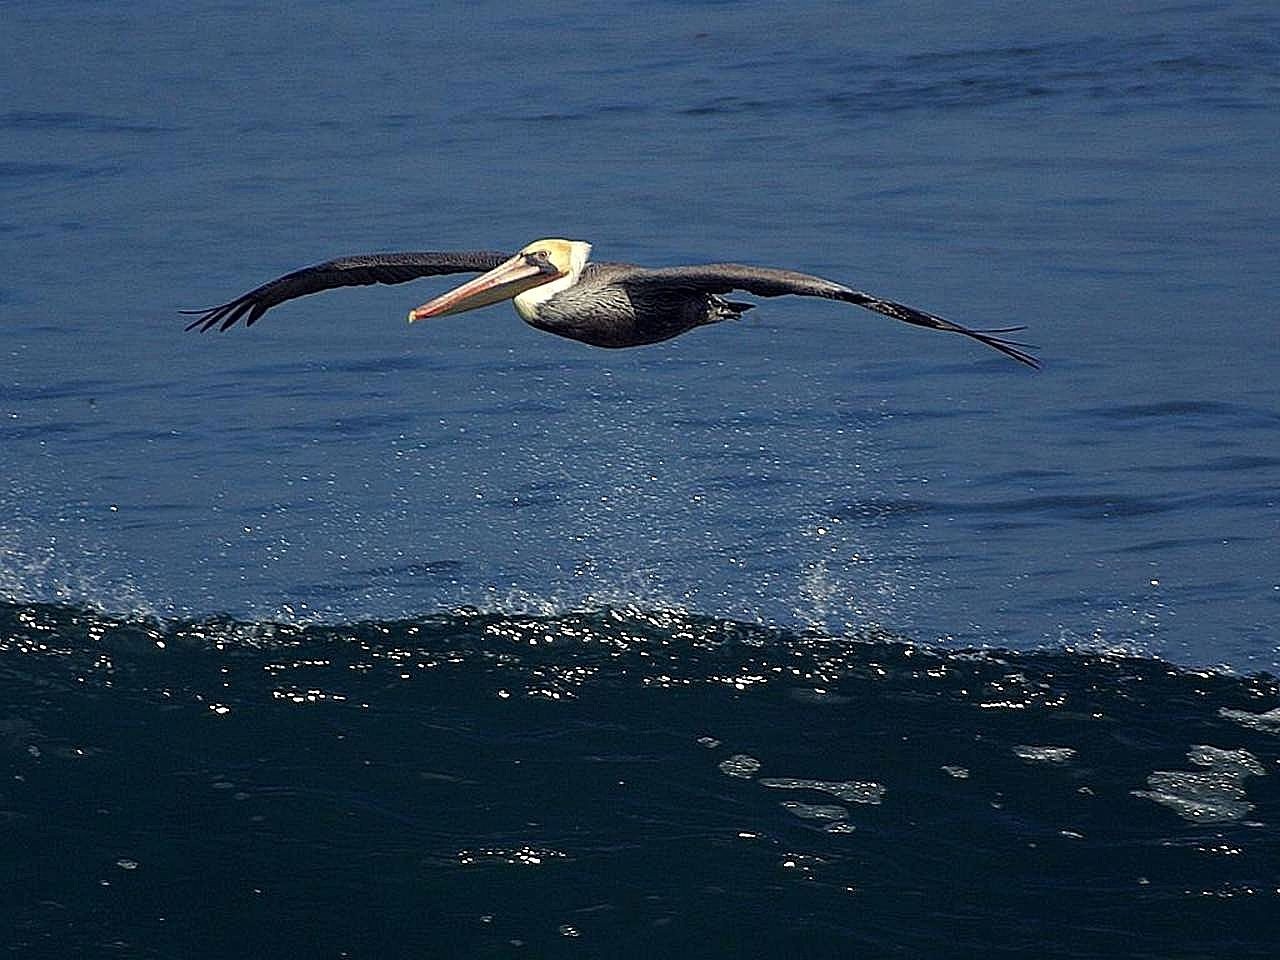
(202, 321)
(1015, 349)
(224, 316)
(1000, 329)
(1010, 348)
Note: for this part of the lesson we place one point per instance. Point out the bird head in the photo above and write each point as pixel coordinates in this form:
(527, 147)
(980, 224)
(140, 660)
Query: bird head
(540, 270)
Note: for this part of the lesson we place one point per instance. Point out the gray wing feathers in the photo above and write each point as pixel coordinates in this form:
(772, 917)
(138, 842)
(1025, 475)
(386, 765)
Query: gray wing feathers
(722, 278)
(360, 270)
(725, 277)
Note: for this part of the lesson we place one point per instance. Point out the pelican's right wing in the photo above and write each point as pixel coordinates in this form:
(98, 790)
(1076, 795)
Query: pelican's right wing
(354, 271)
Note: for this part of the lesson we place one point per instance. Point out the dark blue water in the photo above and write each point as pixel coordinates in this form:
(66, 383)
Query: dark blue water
(810, 635)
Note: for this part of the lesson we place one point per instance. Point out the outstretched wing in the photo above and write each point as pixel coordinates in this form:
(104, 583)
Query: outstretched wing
(344, 272)
(769, 282)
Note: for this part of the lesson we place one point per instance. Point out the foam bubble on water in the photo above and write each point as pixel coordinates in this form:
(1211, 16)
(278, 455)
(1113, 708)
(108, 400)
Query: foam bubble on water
(739, 765)
(1213, 795)
(815, 811)
(1268, 722)
(1043, 754)
(851, 791)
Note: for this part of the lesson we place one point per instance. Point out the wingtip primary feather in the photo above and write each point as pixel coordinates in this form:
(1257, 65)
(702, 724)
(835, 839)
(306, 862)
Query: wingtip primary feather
(1010, 348)
(199, 315)
(1014, 349)
(204, 319)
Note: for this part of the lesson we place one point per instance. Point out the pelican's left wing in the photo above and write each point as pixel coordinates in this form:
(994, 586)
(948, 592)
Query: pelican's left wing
(354, 271)
(721, 278)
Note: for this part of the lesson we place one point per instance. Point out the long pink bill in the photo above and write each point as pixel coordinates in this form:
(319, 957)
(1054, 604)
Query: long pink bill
(501, 283)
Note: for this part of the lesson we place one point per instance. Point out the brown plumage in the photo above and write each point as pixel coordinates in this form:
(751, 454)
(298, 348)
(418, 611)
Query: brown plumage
(556, 289)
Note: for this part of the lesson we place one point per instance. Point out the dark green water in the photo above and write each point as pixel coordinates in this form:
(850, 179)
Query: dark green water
(622, 782)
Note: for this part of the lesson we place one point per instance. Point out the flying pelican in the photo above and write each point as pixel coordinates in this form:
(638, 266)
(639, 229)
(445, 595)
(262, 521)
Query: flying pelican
(555, 288)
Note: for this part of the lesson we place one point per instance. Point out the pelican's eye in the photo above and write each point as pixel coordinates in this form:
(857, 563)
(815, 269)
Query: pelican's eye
(542, 260)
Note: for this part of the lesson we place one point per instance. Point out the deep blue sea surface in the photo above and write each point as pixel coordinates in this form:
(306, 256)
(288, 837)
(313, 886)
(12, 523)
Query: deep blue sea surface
(809, 635)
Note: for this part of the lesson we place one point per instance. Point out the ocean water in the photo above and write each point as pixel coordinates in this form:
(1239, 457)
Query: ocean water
(809, 635)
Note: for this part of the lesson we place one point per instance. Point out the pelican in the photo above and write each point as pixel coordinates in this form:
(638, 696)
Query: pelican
(554, 287)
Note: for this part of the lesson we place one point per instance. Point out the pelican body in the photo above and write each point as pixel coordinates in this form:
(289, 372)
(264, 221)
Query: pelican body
(555, 287)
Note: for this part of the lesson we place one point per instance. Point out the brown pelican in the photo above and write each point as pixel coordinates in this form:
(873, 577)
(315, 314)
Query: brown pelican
(555, 288)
